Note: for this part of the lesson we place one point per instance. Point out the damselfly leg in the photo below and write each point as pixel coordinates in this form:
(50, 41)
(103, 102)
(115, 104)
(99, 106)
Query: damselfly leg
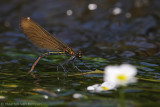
(41, 56)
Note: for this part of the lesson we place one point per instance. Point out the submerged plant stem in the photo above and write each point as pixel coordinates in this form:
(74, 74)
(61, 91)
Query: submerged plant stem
(121, 97)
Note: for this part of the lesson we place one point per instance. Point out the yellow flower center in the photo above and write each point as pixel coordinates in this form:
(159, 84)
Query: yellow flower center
(104, 88)
(122, 77)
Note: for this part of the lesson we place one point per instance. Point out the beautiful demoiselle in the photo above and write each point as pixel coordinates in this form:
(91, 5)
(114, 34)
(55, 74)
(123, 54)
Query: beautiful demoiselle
(43, 39)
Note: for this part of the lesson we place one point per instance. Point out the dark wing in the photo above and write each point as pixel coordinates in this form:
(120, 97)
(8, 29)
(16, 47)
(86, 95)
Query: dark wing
(40, 37)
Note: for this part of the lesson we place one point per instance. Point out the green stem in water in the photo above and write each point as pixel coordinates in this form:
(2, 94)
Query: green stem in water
(121, 97)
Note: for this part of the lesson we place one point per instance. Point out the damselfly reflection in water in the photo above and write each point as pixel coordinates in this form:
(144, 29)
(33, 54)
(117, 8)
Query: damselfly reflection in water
(43, 39)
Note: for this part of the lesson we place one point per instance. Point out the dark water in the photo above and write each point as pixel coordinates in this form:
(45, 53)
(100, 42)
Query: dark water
(105, 38)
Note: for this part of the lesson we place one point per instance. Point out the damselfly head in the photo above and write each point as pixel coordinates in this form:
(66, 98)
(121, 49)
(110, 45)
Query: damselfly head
(79, 54)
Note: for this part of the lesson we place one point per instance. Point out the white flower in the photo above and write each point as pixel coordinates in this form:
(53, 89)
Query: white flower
(101, 87)
(58, 89)
(120, 75)
(93, 87)
(77, 95)
(108, 86)
(45, 97)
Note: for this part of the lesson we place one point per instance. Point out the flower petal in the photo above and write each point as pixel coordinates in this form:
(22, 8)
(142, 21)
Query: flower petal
(120, 75)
